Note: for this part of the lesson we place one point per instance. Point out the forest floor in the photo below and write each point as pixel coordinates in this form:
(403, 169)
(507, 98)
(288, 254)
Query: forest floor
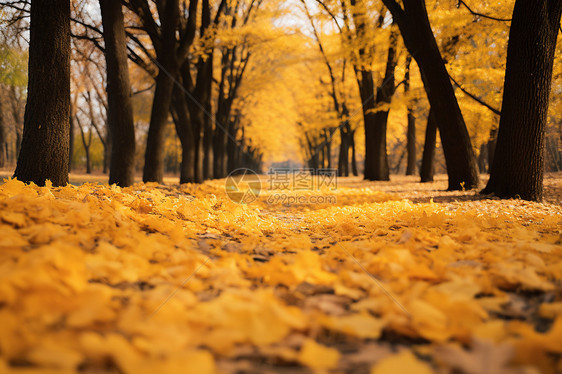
(362, 277)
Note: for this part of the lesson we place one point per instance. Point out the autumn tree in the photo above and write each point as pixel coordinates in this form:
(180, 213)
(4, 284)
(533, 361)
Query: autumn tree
(120, 111)
(340, 101)
(234, 59)
(411, 131)
(45, 145)
(376, 161)
(163, 38)
(427, 168)
(413, 21)
(518, 166)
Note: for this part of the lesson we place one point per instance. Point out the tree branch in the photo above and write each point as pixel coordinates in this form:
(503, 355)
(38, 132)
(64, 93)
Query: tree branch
(475, 98)
(480, 14)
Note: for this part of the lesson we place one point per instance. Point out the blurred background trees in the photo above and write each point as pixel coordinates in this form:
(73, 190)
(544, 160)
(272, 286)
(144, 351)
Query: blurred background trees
(220, 84)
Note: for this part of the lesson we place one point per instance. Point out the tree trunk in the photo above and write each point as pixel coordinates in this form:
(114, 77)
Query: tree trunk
(70, 141)
(328, 149)
(120, 109)
(428, 158)
(411, 144)
(492, 147)
(343, 161)
(154, 154)
(185, 133)
(107, 154)
(367, 94)
(411, 132)
(353, 155)
(518, 166)
(88, 160)
(199, 155)
(462, 167)
(208, 135)
(45, 145)
(378, 164)
(232, 145)
(483, 159)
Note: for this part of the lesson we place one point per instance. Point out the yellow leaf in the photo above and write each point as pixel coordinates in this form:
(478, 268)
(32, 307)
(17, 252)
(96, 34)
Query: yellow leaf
(318, 356)
(401, 363)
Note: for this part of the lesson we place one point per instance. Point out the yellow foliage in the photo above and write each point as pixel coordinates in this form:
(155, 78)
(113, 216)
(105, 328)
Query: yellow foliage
(177, 279)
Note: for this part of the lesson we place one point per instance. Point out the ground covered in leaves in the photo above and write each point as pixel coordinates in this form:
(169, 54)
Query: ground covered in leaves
(392, 278)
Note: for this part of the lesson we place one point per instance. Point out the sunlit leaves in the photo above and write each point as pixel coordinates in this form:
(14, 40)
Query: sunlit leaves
(151, 278)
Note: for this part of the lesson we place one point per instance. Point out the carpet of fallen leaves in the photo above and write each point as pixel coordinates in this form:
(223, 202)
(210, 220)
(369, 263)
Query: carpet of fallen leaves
(393, 278)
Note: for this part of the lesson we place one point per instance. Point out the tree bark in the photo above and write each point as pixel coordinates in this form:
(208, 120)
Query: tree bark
(483, 159)
(185, 133)
(154, 154)
(232, 145)
(377, 167)
(428, 158)
(328, 148)
(120, 109)
(462, 167)
(492, 147)
(45, 145)
(518, 167)
(411, 132)
(367, 94)
(353, 155)
(343, 160)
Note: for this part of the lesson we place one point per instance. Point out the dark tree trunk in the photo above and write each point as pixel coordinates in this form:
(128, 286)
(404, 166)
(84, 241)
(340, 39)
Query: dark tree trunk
(378, 164)
(367, 93)
(518, 166)
(199, 155)
(71, 138)
(353, 155)
(411, 144)
(203, 109)
(120, 110)
(220, 141)
(107, 153)
(492, 147)
(154, 155)
(411, 132)
(428, 158)
(208, 135)
(413, 21)
(483, 159)
(45, 145)
(328, 141)
(88, 160)
(184, 130)
(343, 161)
(232, 145)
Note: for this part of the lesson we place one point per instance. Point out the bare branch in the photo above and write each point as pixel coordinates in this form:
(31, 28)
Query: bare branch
(475, 98)
(482, 15)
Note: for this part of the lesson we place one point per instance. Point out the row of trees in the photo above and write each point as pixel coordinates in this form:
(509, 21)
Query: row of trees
(209, 67)
(517, 170)
(184, 48)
